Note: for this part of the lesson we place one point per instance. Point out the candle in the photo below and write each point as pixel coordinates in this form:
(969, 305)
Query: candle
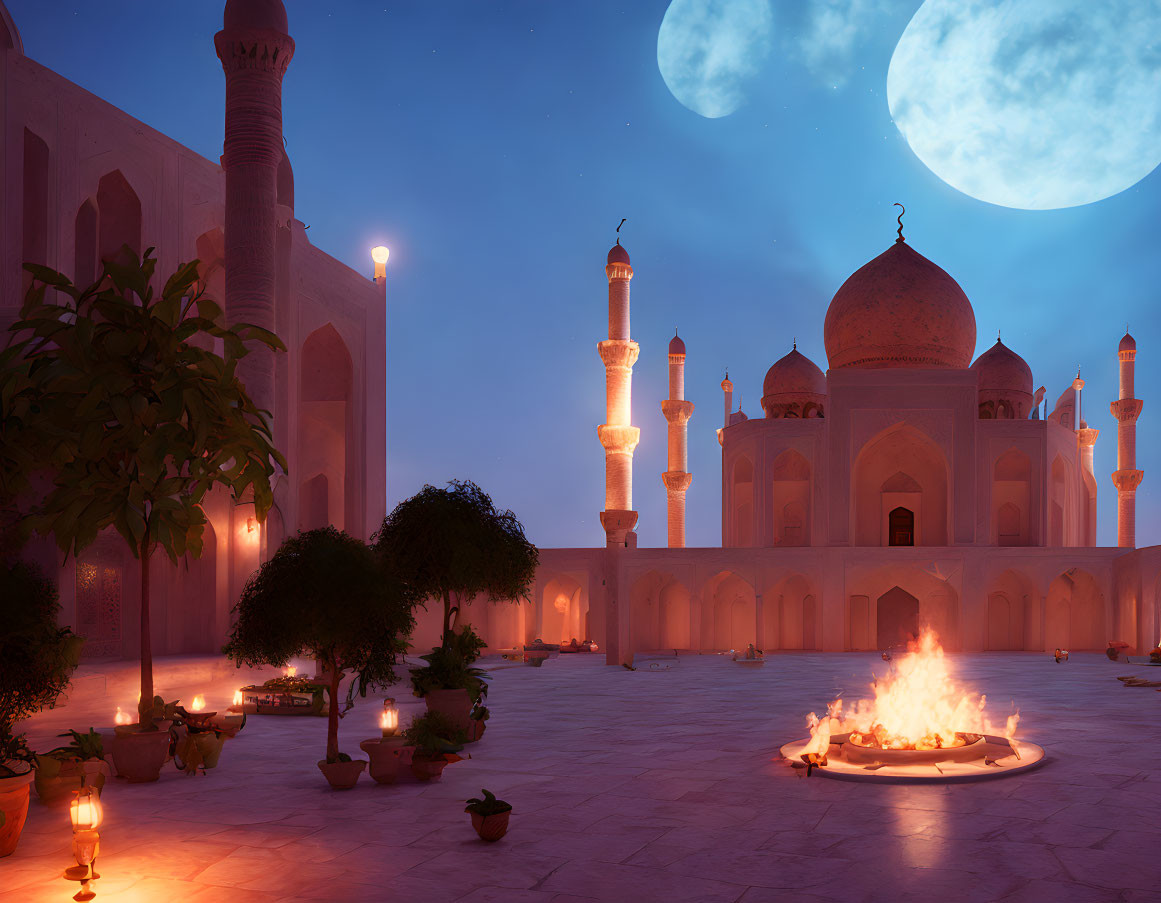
(121, 717)
(199, 703)
(389, 721)
(238, 700)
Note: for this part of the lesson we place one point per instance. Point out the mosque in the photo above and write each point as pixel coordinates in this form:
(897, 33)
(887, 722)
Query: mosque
(906, 485)
(80, 179)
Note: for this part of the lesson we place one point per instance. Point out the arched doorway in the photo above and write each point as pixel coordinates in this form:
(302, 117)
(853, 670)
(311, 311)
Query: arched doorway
(325, 427)
(900, 468)
(1075, 612)
(897, 617)
(901, 527)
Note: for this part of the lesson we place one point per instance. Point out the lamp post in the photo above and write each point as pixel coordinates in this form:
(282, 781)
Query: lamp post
(380, 254)
(86, 815)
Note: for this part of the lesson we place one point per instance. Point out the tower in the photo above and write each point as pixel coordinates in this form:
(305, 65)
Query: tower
(677, 411)
(617, 435)
(1126, 477)
(255, 50)
(728, 401)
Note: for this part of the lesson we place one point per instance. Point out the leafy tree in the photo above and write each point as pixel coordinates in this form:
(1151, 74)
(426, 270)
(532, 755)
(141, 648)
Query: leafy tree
(325, 595)
(37, 658)
(453, 544)
(133, 419)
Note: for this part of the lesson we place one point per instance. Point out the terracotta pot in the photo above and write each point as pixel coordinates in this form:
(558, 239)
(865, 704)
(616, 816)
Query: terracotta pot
(57, 790)
(210, 746)
(342, 775)
(139, 756)
(476, 729)
(14, 805)
(455, 705)
(387, 755)
(428, 769)
(491, 827)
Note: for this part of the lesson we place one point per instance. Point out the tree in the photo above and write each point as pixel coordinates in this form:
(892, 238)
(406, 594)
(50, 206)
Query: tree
(453, 544)
(38, 656)
(325, 595)
(133, 420)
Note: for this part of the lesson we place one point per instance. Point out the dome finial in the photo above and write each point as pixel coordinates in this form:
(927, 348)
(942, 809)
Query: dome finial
(619, 229)
(794, 344)
(899, 219)
(998, 339)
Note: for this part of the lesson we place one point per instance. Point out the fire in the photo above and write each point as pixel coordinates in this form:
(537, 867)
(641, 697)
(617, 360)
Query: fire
(238, 697)
(122, 717)
(199, 703)
(916, 706)
(290, 671)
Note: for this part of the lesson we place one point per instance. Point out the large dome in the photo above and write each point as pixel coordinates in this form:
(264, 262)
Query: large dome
(900, 310)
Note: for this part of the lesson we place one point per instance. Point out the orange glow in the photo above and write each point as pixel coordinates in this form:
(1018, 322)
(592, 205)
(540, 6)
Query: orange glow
(290, 671)
(916, 705)
(198, 704)
(85, 810)
(122, 717)
(238, 700)
(389, 721)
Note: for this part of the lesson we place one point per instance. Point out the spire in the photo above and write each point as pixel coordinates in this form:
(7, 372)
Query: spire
(899, 219)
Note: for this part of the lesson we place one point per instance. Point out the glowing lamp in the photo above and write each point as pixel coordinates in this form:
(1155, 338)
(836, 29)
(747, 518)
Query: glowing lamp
(86, 815)
(389, 720)
(238, 700)
(379, 254)
(122, 717)
(199, 703)
(290, 671)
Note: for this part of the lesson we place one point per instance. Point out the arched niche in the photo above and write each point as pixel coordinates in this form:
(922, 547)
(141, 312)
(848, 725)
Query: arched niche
(564, 611)
(897, 618)
(901, 467)
(742, 481)
(1059, 507)
(120, 215)
(1012, 499)
(1075, 616)
(34, 246)
(728, 613)
(674, 616)
(790, 493)
(326, 440)
(85, 244)
(1013, 615)
(790, 616)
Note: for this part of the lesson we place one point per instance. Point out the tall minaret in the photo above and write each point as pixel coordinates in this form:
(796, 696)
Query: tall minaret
(677, 411)
(255, 49)
(728, 399)
(1126, 477)
(617, 435)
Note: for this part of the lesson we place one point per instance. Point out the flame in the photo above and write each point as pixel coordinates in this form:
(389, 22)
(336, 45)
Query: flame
(290, 671)
(389, 720)
(199, 703)
(122, 717)
(916, 705)
(238, 700)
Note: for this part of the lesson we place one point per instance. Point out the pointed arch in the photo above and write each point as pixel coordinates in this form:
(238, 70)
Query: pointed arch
(790, 491)
(729, 618)
(742, 490)
(900, 467)
(326, 441)
(85, 244)
(1012, 499)
(1075, 613)
(120, 215)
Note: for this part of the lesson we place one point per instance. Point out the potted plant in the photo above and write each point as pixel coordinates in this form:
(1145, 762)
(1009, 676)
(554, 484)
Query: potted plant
(36, 660)
(448, 683)
(478, 721)
(326, 595)
(436, 741)
(67, 768)
(388, 752)
(140, 750)
(489, 816)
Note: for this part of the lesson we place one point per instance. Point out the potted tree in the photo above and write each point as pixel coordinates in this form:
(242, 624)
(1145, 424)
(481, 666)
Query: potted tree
(136, 423)
(448, 683)
(326, 595)
(436, 741)
(453, 544)
(489, 816)
(67, 768)
(36, 660)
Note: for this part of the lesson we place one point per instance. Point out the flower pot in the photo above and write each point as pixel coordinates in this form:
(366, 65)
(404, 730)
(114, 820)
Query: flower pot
(14, 806)
(55, 788)
(491, 827)
(139, 755)
(455, 705)
(428, 769)
(476, 728)
(387, 756)
(342, 775)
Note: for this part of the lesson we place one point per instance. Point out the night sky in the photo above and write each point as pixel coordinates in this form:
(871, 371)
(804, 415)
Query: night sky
(495, 146)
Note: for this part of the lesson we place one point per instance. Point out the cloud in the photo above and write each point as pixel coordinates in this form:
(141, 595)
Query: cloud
(829, 32)
(707, 51)
(1035, 104)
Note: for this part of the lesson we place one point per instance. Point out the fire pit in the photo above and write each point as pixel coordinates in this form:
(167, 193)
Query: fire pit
(919, 727)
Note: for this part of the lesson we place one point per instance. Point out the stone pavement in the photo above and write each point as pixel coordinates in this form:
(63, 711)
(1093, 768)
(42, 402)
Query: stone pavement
(643, 786)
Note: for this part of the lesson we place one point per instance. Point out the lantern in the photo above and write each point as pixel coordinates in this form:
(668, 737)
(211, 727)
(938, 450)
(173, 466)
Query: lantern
(389, 720)
(86, 815)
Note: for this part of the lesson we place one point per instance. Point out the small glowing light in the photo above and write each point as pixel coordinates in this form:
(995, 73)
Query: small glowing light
(85, 810)
(251, 524)
(594, 647)
(379, 254)
(198, 704)
(290, 671)
(389, 721)
(238, 700)
(122, 717)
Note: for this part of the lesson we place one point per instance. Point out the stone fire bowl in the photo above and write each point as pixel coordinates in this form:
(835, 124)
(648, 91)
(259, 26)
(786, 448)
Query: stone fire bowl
(983, 757)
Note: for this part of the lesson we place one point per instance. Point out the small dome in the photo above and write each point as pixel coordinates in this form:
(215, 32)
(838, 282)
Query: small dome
(269, 15)
(676, 345)
(617, 254)
(900, 310)
(1000, 369)
(791, 384)
(1128, 343)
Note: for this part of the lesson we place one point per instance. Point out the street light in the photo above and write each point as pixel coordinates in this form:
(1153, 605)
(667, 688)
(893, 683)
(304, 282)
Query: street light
(379, 254)
(86, 815)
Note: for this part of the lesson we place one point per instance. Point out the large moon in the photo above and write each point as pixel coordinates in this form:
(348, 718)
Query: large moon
(1035, 104)
(708, 50)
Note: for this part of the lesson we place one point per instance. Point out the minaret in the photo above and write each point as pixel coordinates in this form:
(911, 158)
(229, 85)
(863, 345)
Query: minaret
(1126, 477)
(677, 411)
(255, 49)
(728, 399)
(617, 435)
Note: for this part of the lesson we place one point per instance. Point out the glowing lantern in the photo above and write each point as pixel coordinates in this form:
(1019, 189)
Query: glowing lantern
(290, 671)
(86, 816)
(85, 810)
(238, 700)
(199, 703)
(389, 720)
(379, 254)
(122, 717)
